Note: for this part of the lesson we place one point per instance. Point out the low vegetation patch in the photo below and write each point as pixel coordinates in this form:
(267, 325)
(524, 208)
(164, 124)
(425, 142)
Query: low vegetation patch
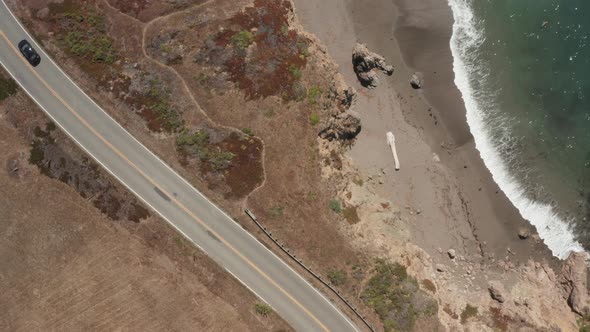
(501, 321)
(237, 158)
(314, 119)
(262, 309)
(468, 312)
(584, 323)
(242, 39)
(276, 211)
(396, 297)
(8, 87)
(335, 205)
(159, 104)
(337, 277)
(83, 176)
(197, 143)
(313, 94)
(83, 31)
(276, 54)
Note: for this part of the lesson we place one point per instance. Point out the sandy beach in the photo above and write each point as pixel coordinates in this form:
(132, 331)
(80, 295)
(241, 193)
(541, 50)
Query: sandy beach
(443, 188)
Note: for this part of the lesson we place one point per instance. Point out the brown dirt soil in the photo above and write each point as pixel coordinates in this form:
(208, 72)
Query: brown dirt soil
(293, 201)
(66, 267)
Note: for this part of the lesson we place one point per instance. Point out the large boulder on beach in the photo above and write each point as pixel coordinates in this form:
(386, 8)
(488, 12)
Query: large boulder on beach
(416, 82)
(574, 282)
(344, 126)
(365, 62)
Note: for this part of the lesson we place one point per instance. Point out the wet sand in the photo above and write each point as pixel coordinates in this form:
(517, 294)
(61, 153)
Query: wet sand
(451, 203)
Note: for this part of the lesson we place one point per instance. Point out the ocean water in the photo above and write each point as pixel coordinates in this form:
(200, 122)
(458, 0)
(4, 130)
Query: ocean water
(523, 69)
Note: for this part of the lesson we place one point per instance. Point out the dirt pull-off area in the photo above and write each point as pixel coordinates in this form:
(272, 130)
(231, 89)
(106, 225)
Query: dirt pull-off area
(66, 266)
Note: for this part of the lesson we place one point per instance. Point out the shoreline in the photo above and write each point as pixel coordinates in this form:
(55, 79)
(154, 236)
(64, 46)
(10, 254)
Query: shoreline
(461, 206)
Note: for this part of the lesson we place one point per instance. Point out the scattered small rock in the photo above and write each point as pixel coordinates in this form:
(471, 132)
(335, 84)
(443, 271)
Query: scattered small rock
(524, 233)
(441, 267)
(416, 81)
(496, 291)
(344, 126)
(451, 253)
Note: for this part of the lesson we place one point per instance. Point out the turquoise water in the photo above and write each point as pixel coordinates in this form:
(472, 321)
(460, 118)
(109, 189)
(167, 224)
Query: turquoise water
(523, 68)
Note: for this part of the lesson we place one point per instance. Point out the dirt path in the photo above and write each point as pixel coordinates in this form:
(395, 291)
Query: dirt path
(145, 28)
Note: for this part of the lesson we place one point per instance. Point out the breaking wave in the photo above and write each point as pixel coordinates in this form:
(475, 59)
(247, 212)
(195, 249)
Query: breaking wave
(468, 36)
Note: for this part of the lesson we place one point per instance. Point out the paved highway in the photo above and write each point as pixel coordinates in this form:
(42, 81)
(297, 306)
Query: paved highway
(164, 191)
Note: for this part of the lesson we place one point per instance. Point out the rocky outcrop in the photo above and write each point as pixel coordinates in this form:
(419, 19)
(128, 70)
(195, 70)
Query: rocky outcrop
(343, 94)
(365, 62)
(344, 126)
(573, 278)
(496, 291)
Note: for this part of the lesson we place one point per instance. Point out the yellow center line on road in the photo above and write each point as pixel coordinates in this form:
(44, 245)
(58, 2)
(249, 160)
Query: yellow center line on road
(172, 198)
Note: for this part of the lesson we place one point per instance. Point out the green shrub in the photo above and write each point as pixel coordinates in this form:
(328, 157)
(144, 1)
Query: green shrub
(36, 154)
(242, 39)
(268, 113)
(262, 309)
(202, 78)
(86, 36)
(7, 87)
(276, 211)
(313, 94)
(396, 298)
(337, 277)
(248, 131)
(167, 116)
(195, 143)
(335, 205)
(468, 312)
(220, 160)
(314, 119)
(170, 119)
(584, 323)
(50, 126)
(295, 71)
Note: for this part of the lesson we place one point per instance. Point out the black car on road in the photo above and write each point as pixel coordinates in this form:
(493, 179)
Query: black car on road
(29, 53)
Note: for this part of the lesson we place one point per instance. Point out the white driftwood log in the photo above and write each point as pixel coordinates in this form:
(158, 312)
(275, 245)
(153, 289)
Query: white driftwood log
(391, 142)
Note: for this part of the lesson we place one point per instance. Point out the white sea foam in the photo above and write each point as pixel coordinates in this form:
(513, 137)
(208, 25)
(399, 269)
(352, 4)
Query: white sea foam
(466, 38)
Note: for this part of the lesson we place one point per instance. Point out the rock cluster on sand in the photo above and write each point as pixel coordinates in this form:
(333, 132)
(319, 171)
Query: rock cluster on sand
(344, 126)
(364, 63)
